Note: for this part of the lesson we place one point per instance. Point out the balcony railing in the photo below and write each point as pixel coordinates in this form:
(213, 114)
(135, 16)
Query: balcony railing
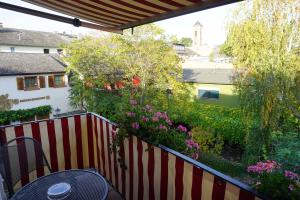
(83, 141)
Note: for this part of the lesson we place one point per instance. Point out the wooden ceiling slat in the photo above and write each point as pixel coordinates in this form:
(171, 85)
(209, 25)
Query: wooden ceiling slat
(75, 10)
(105, 11)
(174, 3)
(162, 4)
(119, 9)
(125, 5)
(83, 10)
(185, 2)
(147, 5)
(77, 14)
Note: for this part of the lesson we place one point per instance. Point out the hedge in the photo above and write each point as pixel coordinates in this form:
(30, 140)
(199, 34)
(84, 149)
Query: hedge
(228, 122)
(23, 114)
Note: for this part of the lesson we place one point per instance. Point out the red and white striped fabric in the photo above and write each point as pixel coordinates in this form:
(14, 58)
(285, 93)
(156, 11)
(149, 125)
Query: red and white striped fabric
(83, 141)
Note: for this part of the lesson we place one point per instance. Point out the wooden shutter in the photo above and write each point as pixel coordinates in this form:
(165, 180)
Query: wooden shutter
(51, 81)
(42, 81)
(63, 80)
(20, 83)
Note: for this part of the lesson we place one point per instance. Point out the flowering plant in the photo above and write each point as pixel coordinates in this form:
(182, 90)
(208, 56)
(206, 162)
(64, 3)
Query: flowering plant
(156, 128)
(274, 181)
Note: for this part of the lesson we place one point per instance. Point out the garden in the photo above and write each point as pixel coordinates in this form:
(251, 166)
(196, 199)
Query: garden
(134, 80)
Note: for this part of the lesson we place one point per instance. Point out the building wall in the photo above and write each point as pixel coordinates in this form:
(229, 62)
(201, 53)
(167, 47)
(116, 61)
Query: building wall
(58, 97)
(227, 96)
(27, 49)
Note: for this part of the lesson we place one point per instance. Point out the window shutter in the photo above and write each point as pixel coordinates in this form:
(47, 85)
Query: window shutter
(42, 81)
(51, 81)
(20, 83)
(63, 80)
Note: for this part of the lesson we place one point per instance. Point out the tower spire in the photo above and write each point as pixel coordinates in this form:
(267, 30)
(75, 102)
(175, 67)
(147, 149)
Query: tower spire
(197, 35)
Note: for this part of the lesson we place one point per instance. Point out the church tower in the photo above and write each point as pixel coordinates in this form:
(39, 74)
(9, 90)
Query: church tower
(197, 35)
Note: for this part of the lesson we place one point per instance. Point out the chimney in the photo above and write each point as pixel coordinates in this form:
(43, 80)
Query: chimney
(1, 25)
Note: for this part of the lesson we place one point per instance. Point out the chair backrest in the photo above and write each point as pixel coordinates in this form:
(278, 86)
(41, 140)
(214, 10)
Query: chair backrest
(18, 158)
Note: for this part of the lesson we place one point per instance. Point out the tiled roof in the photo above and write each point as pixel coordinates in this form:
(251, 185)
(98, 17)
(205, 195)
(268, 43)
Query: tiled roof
(29, 63)
(208, 75)
(20, 37)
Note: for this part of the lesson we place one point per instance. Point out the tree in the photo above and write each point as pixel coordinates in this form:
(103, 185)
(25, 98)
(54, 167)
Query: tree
(109, 70)
(261, 38)
(186, 41)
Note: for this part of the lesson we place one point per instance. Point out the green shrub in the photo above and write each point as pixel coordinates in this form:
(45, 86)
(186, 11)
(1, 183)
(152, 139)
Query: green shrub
(23, 114)
(286, 149)
(276, 185)
(225, 166)
(208, 142)
(227, 122)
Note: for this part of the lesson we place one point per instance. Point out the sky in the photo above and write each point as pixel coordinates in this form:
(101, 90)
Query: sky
(213, 21)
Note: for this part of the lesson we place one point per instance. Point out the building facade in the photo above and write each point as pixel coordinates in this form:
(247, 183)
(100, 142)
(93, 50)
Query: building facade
(32, 72)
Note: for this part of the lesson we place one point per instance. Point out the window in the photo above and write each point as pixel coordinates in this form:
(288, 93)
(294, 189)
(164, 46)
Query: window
(30, 83)
(46, 51)
(59, 81)
(205, 93)
(12, 49)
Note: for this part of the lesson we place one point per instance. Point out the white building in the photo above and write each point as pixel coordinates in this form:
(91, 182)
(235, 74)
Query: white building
(31, 70)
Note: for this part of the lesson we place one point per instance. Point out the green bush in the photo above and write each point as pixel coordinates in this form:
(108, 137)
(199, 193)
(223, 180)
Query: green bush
(208, 142)
(225, 166)
(286, 150)
(23, 114)
(227, 122)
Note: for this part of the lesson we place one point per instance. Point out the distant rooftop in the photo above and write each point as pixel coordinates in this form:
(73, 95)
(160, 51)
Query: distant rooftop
(203, 62)
(29, 63)
(208, 75)
(20, 37)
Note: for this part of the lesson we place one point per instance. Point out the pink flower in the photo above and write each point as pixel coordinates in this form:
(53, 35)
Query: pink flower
(158, 114)
(291, 175)
(196, 145)
(195, 156)
(182, 128)
(169, 122)
(261, 167)
(133, 102)
(291, 187)
(130, 114)
(165, 116)
(189, 143)
(155, 119)
(145, 119)
(162, 127)
(135, 125)
(148, 108)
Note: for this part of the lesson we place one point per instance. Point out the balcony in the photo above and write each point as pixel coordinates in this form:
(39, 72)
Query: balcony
(83, 141)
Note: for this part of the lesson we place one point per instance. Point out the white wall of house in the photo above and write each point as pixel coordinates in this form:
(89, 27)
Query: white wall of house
(58, 97)
(26, 49)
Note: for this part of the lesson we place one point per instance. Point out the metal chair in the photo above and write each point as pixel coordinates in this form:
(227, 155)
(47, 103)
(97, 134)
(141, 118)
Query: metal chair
(18, 158)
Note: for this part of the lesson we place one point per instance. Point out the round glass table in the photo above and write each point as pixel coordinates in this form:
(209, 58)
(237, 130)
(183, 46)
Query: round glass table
(66, 185)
